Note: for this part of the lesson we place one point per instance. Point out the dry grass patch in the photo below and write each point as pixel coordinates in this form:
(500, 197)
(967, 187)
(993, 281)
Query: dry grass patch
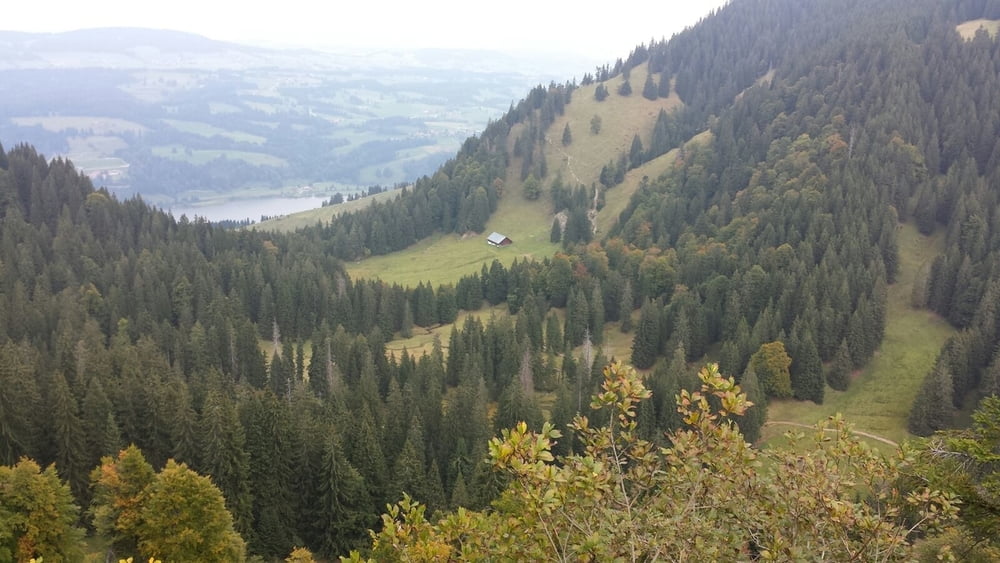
(324, 215)
(968, 29)
(622, 117)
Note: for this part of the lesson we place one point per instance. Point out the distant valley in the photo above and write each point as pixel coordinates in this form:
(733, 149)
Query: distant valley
(189, 122)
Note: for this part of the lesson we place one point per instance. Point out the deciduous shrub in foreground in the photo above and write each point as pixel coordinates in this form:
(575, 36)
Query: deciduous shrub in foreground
(709, 496)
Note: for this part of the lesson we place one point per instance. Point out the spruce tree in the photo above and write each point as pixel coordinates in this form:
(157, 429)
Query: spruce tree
(409, 472)
(753, 419)
(364, 450)
(649, 90)
(933, 408)
(729, 357)
(555, 235)
(434, 496)
(840, 369)
(665, 384)
(19, 404)
(279, 377)
(596, 314)
(563, 412)
(553, 334)
(807, 372)
(663, 88)
(406, 327)
(567, 136)
(646, 343)
(269, 451)
(991, 376)
(224, 457)
(577, 317)
(95, 410)
(183, 423)
(344, 507)
(635, 153)
(516, 405)
(67, 435)
(459, 493)
(600, 94)
(857, 339)
(447, 306)
(626, 307)
(111, 436)
(396, 425)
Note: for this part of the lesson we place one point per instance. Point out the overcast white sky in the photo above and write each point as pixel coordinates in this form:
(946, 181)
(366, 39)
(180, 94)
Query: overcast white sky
(604, 30)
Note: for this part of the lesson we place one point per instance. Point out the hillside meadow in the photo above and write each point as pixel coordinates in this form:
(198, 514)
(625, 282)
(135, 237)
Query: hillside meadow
(881, 394)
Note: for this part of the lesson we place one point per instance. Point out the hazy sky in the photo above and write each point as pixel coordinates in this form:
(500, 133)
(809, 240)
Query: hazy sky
(606, 31)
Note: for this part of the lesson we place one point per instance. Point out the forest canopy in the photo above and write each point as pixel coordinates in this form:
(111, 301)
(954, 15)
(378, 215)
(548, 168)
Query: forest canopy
(769, 246)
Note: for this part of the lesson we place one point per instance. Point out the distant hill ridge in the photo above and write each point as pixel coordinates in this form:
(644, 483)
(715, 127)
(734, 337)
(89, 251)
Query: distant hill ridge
(113, 39)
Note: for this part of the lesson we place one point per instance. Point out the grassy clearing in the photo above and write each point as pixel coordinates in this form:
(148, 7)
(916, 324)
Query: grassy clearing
(423, 337)
(968, 29)
(86, 165)
(621, 119)
(206, 130)
(309, 218)
(157, 85)
(879, 399)
(269, 109)
(94, 146)
(446, 258)
(199, 157)
(617, 199)
(95, 125)
(217, 108)
(616, 344)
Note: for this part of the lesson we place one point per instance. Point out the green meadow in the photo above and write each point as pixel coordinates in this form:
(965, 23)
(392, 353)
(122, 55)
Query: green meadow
(95, 125)
(446, 258)
(198, 157)
(206, 130)
(879, 398)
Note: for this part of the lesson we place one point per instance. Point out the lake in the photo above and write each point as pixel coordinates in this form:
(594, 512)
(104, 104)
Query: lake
(240, 209)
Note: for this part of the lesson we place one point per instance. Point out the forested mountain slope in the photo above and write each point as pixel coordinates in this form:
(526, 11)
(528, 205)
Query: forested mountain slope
(768, 245)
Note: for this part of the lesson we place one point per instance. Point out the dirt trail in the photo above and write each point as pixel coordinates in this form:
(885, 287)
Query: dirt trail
(592, 212)
(569, 160)
(855, 432)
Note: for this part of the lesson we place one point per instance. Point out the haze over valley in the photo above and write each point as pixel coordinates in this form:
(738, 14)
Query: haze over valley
(188, 122)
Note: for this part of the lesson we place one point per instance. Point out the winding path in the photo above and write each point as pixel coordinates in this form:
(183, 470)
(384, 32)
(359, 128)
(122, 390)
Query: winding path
(855, 432)
(592, 212)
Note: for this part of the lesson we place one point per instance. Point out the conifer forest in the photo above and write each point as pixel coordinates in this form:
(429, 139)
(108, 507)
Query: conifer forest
(160, 375)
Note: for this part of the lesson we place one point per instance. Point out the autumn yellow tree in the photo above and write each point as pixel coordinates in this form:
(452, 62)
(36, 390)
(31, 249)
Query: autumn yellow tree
(37, 515)
(184, 518)
(119, 486)
(173, 515)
